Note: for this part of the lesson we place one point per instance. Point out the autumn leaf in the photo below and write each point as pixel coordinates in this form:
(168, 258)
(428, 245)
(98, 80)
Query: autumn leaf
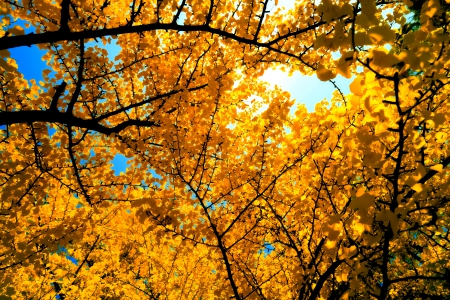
(381, 34)
(150, 161)
(324, 74)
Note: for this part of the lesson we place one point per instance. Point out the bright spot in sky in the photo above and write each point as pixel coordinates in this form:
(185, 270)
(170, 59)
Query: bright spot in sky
(307, 90)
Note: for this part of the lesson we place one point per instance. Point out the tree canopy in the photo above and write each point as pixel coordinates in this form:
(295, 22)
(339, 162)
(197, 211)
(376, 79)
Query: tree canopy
(228, 195)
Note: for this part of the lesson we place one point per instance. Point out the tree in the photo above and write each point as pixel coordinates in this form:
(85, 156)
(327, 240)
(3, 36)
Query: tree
(226, 195)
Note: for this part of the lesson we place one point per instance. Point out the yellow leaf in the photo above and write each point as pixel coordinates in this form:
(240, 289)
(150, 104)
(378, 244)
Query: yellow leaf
(380, 128)
(347, 9)
(419, 142)
(343, 68)
(363, 202)
(368, 9)
(437, 168)
(324, 74)
(408, 3)
(46, 72)
(383, 59)
(330, 245)
(4, 53)
(359, 228)
(418, 187)
(361, 39)
(345, 296)
(381, 34)
(10, 291)
(4, 10)
(439, 119)
(356, 86)
(345, 252)
(429, 9)
(370, 240)
(17, 30)
(441, 137)
(387, 215)
(363, 21)
(360, 192)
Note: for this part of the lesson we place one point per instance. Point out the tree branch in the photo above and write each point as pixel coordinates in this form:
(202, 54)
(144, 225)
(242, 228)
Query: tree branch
(29, 116)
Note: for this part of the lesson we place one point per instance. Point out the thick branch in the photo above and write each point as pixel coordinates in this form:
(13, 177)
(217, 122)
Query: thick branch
(57, 36)
(331, 269)
(65, 16)
(77, 91)
(31, 116)
(59, 91)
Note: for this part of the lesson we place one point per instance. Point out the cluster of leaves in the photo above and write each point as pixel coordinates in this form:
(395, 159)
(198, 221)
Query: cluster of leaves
(228, 194)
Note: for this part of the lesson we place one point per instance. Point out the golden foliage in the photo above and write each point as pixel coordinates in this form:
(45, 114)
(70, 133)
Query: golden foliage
(227, 194)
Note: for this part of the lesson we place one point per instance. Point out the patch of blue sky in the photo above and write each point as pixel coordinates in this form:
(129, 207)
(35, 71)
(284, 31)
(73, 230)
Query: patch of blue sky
(119, 164)
(63, 251)
(336, 54)
(145, 185)
(51, 131)
(182, 18)
(220, 204)
(287, 130)
(25, 25)
(210, 205)
(29, 59)
(307, 90)
(267, 249)
(231, 126)
(83, 162)
(112, 47)
(168, 185)
(125, 187)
